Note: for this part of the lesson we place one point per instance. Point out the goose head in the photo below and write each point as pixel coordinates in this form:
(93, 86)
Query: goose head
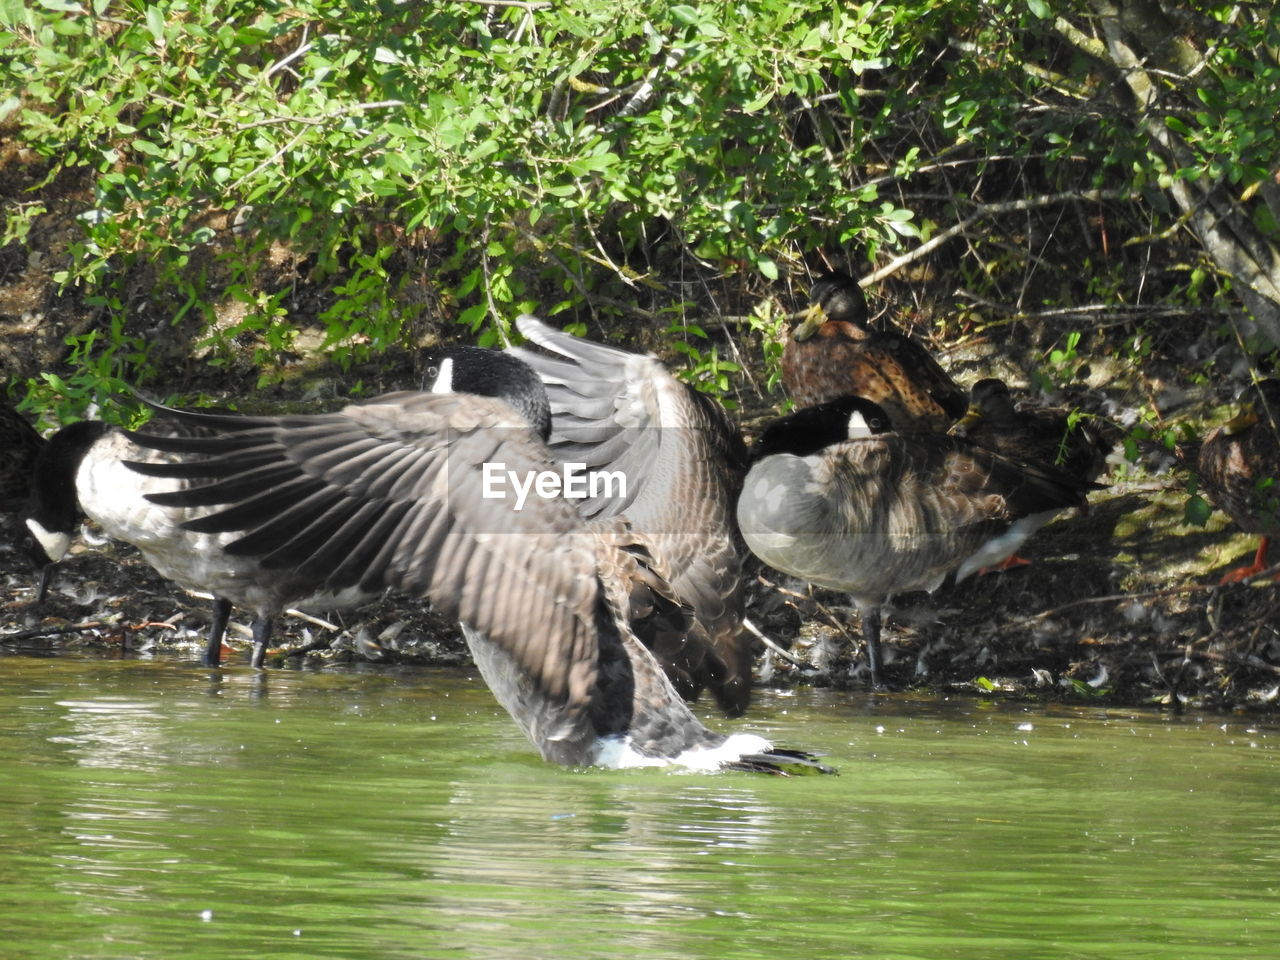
(812, 429)
(490, 373)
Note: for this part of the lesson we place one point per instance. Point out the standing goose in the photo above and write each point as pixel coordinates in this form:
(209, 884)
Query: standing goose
(397, 493)
(1035, 434)
(835, 351)
(1240, 470)
(837, 498)
(624, 415)
(82, 473)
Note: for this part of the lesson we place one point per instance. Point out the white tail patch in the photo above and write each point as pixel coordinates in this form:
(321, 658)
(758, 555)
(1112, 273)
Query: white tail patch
(617, 753)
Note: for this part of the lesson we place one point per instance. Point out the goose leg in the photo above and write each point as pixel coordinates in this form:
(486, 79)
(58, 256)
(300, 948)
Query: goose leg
(217, 630)
(46, 578)
(871, 635)
(261, 634)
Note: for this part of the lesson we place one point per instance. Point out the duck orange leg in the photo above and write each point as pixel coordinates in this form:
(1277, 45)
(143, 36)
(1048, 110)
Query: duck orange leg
(1010, 562)
(1252, 570)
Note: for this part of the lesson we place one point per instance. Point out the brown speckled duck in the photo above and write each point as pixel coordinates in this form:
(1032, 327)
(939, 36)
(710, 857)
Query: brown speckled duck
(835, 351)
(1034, 434)
(1240, 470)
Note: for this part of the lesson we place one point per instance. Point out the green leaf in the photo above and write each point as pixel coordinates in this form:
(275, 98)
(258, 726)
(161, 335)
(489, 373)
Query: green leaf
(155, 22)
(473, 316)
(1040, 8)
(147, 147)
(1196, 511)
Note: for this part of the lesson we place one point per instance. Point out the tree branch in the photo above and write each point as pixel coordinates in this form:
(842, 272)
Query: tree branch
(987, 210)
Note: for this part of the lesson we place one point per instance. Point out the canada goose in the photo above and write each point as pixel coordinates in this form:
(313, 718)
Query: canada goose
(1033, 434)
(82, 473)
(402, 492)
(837, 498)
(835, 351)
(623, 414)
(1239, 468)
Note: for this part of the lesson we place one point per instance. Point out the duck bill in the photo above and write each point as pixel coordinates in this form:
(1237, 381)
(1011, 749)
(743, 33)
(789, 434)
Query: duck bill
(814, 317)
(968, 421)
(1241, 422)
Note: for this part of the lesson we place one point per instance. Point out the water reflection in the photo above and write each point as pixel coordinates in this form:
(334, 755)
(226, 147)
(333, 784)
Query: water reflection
(151, 809)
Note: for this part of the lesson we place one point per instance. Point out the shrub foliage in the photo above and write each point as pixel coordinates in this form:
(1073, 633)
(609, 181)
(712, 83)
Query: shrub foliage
(648, 159)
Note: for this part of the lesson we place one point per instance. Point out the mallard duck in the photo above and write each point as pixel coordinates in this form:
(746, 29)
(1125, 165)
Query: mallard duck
(402, 492)
(1239, 468)
(836, 497)
(835, 351)
(621, 413)
(82, 473)
(1034, 434)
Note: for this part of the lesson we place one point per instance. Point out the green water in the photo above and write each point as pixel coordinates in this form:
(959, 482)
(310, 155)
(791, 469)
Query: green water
(154, 809)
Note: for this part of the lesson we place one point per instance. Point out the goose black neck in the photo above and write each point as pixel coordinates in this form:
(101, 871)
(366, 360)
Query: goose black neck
(811, 429)
(493, 373)
(54, 503)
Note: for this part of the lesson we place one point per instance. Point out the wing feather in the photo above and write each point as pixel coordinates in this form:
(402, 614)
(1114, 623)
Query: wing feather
(389, 494)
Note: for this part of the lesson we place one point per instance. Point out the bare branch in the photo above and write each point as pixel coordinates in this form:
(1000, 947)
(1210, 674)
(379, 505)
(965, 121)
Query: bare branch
(987, 210)
(322, 119)
(518, 4)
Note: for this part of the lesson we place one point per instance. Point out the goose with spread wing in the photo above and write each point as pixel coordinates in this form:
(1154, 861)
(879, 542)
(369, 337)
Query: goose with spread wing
(621, 414)
(840, 499)
(399, 492)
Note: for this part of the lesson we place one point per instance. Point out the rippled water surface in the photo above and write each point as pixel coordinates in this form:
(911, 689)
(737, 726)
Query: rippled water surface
(153, 809)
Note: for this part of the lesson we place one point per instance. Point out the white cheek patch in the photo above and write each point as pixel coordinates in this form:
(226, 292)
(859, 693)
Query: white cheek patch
(859, 429)
(444, 379)
(55, 545)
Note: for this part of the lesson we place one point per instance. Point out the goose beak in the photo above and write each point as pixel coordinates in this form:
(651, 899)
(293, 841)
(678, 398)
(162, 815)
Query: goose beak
(814, 317)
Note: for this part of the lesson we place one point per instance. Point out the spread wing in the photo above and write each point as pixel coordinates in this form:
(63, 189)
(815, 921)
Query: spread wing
(400, 492)
(683, 462)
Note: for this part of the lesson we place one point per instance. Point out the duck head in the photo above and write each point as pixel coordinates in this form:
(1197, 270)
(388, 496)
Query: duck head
(1259, 403)
(990, 400)
(837, 297)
